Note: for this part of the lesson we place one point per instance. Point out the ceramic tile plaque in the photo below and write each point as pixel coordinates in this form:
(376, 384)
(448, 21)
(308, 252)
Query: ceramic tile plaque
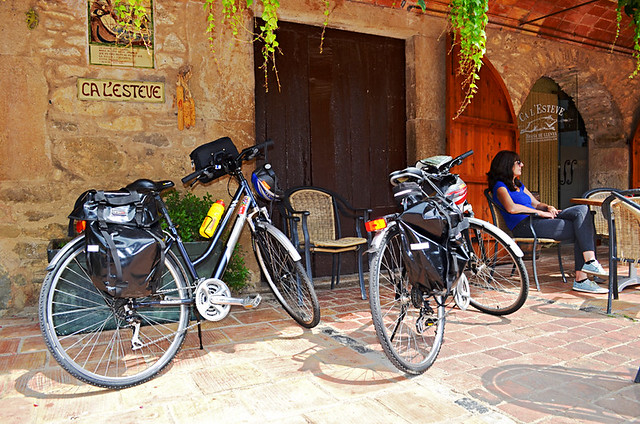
(112, 45)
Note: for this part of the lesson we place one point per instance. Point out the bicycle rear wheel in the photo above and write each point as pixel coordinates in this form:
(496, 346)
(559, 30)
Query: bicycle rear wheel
(286, 277)
(90, 334)
(498, 279)
(409, 324)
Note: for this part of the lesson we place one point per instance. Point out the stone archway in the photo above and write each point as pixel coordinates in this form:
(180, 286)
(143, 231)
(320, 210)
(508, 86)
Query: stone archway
(608, 151)
(600, 90)
(597, 106)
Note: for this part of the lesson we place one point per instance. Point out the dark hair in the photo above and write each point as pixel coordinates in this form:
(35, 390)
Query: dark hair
(502, 170)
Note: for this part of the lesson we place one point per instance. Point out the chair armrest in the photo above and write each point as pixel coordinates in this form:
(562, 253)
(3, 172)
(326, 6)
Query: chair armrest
(292, 218)
(622, 196)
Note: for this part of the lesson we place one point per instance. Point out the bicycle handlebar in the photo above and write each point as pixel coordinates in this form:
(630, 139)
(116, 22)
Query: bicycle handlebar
(419, 175)
(455, 162)
(193, 175)
(246, 155)
(252, 152)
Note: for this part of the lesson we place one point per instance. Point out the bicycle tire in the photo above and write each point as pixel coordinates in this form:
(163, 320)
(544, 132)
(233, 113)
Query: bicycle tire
(286, 277)
(411, 347)
(498, 279)
(86, 334)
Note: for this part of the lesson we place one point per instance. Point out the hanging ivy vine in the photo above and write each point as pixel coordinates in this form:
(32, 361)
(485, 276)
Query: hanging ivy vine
(268, 36)
(632, 9)
(233, 12)
(233, 15)
(468, 20)
(133, 22)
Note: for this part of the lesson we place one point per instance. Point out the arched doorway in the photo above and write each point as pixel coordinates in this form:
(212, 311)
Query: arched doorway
(487, 125)
(553, 144)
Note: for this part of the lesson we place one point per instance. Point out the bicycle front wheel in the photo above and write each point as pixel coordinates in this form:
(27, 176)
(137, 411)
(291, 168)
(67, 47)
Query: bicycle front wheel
(409, 323)
(286, 277)
(498, 279)
(93, 336)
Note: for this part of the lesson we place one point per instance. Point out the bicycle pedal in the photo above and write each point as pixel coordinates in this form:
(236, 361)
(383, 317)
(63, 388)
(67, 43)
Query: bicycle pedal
(251, 302)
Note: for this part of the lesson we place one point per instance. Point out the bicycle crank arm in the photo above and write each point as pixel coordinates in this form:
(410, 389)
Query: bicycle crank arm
(248, 302)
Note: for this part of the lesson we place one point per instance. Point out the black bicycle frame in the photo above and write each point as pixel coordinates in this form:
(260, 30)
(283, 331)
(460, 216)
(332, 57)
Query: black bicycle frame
(243, 196)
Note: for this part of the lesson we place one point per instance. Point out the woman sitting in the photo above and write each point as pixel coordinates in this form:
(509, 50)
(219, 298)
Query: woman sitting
(574, 224)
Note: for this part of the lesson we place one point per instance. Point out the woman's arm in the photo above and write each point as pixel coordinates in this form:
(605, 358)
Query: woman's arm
(541, 206)
(511, 207)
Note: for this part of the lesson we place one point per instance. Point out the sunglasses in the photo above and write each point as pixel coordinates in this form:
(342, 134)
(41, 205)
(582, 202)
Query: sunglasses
(519, 162)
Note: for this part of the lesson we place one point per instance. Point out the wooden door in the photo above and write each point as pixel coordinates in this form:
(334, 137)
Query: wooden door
(634, 153)
(338, 120)
(487, 125)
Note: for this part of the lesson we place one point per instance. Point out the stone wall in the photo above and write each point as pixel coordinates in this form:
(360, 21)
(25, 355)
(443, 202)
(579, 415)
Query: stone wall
(597, 80)
(54, 146)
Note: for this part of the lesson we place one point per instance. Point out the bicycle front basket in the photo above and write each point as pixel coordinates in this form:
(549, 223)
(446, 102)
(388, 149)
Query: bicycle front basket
(213, 154)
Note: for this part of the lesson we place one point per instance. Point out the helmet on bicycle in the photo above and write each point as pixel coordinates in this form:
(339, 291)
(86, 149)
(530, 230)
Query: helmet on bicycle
(264, 182)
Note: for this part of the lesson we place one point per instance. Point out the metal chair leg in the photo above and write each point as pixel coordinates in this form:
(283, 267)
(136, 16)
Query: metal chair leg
(334, 271)
(362, 289)
(613, 284)
(307, 257)
(564, 279)
(535, 270)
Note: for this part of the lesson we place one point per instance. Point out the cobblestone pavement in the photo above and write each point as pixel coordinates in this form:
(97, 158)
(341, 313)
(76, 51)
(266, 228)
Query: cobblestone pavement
(560, 359)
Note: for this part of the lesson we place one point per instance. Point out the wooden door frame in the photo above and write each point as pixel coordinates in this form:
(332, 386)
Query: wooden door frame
(634, 159)
(453, 104)
(505, 127)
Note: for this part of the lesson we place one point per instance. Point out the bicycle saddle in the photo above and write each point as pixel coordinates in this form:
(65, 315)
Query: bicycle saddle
(144, 185)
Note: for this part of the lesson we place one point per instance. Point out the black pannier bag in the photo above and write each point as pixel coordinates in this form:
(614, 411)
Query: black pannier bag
(434, 250)
(213, 154)
(124, 247)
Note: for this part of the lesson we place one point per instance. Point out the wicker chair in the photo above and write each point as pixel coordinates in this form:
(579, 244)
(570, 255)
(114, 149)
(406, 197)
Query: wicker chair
(599, 221)
(535, 243)
(623, 216)
(316, 213)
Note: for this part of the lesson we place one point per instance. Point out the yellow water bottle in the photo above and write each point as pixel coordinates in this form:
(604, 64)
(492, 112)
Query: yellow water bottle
(212, 219)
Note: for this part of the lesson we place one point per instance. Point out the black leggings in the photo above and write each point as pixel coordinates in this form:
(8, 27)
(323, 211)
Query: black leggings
(574, 224)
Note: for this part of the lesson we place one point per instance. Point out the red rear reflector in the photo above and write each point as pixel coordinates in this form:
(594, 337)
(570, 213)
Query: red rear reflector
(375, 225)
(81, 226)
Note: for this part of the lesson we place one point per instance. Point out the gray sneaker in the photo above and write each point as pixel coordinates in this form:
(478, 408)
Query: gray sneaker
(594, 268)
(589, 286)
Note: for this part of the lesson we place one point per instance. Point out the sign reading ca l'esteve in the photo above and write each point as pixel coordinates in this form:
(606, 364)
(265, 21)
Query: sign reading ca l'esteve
(120, 91)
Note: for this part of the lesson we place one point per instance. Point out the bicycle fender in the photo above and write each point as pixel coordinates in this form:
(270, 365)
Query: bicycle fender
(71, 245)
(281, 238)
(503, 236)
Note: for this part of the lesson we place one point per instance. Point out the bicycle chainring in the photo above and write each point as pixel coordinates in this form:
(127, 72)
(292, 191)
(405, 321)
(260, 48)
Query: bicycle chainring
(205, 296)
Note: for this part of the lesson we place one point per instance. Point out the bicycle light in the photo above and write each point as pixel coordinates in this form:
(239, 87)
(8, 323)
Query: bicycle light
(81, 226)
(375, 225)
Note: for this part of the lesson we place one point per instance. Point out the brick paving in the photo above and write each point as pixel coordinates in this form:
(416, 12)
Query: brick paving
(560, 359)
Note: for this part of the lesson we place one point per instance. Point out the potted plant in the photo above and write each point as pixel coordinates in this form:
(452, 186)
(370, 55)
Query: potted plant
(55, 245)
(187, 212)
